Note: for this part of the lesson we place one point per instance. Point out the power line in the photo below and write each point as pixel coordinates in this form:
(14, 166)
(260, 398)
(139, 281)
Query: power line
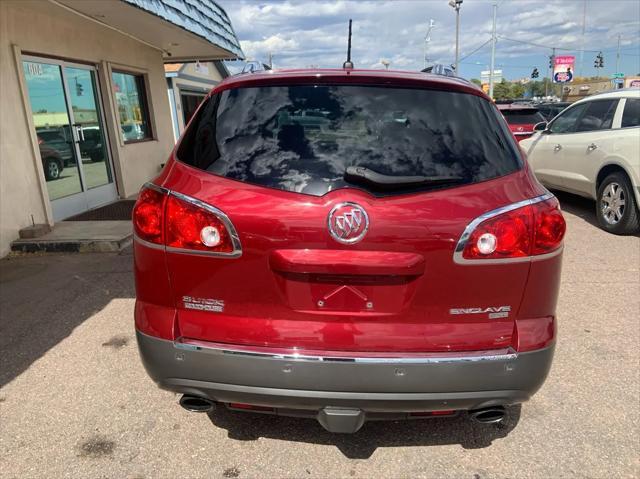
(501, 65)
(476, 50)
(547, 46)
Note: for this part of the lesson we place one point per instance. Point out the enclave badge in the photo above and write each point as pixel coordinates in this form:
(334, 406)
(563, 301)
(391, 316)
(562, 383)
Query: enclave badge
(493, 312)
(348, 223)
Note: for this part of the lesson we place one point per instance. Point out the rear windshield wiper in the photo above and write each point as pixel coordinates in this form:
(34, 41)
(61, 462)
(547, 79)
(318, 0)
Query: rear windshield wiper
(363, 175)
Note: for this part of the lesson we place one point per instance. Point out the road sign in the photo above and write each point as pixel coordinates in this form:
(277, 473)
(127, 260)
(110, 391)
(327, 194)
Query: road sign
(618, 81)
(617, 75)
(497, 76)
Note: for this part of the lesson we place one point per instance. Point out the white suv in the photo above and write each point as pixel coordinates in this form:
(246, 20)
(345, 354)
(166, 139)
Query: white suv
(592, 149)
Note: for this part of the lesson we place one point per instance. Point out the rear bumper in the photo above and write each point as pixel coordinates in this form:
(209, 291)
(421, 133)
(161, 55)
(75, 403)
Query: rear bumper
(373, 385)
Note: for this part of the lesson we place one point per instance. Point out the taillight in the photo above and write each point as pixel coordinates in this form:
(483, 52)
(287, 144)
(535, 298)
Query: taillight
(505, 236)
(147, 215)
(182, 223)
(549, 228)
(525, 229)
(189, 226)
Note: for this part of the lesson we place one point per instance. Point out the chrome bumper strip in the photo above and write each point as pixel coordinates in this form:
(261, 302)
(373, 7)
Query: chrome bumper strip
(506, 354)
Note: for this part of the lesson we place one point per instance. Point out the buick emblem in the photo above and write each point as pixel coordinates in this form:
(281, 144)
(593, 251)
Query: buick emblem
(348, 223)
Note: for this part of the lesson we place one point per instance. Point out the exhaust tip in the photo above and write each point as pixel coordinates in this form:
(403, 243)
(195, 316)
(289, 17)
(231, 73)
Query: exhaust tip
(488, 415)
(196, 404)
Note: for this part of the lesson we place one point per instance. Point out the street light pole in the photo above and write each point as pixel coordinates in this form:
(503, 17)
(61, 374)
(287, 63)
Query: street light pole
(493, 49)
(456, 4)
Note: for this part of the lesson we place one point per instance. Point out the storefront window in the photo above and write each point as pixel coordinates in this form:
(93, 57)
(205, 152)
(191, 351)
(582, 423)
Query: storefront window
(132, 106)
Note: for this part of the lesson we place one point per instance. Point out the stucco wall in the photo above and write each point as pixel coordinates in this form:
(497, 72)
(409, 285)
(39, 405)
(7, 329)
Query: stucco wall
(45, 29)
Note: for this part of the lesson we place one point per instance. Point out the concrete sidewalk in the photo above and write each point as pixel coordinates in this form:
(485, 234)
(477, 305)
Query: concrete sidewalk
(79, 237)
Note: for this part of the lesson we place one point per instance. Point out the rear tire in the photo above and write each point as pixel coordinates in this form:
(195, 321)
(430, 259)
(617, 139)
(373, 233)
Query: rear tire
(96, 158)
(616, 207)
(52, 169)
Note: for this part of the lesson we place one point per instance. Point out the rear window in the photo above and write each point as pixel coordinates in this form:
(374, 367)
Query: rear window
(522, 117)
(303, 138)
(50, 136)
(631, 113)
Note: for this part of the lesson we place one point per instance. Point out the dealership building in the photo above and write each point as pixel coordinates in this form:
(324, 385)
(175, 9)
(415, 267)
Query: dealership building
(87, 116)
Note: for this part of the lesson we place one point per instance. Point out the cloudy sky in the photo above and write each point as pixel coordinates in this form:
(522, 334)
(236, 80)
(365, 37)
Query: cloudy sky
(313, 33)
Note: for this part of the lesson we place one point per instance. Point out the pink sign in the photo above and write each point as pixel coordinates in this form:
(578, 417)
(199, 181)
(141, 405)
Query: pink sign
(563, 68)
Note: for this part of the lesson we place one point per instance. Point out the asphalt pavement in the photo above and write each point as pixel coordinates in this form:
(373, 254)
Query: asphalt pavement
(76, 402)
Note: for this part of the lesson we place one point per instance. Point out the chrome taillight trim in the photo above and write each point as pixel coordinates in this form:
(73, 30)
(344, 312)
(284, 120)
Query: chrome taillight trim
(146, 243)
(221, 215)
(153, 186)
(505, 354)
(466, 234)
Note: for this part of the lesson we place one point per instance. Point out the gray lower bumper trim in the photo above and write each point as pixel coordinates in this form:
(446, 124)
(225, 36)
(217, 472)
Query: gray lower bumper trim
(378, 386)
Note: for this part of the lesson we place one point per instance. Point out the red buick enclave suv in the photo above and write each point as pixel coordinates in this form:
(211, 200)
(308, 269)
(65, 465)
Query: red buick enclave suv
(347, 245)
(521, 119)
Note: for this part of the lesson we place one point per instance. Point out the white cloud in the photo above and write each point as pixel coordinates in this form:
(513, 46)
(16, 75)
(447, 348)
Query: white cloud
(302, 33)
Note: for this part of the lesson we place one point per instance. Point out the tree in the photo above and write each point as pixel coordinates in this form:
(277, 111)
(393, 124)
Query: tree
(476, 81)
(502, 90)
(517, 90)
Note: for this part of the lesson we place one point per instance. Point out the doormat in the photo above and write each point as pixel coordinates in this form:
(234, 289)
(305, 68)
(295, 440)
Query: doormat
(117, 211)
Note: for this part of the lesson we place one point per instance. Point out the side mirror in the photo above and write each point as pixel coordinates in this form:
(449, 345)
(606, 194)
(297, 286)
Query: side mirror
(540, 126)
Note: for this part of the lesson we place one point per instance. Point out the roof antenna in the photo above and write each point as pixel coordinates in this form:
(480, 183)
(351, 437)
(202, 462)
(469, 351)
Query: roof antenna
(348, 65)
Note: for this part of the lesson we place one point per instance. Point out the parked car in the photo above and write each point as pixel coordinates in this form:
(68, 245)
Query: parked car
(132, 131)
(409, 270)
(59, 140)
(92, 145)
(521, 118)
(52, 162)
(550, 109)
(593, 149)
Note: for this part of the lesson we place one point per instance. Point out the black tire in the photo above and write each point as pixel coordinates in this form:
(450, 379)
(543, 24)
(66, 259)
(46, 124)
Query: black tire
(52, 169)
(629, 221)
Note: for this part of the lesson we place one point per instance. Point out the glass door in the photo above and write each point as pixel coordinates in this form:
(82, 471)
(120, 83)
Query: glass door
(65, 105)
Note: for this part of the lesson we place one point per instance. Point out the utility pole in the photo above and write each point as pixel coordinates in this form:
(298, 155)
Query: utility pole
(618, 61)
(584, 23)
(427, 40)
(553, 64)
(493, 49)
(618, 56)
(457, 38)
(456, 4)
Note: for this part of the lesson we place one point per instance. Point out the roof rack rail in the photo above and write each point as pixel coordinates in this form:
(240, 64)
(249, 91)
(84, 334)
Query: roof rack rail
(253, 66)
(441, 69)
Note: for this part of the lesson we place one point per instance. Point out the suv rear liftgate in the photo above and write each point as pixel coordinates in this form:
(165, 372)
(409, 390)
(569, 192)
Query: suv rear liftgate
(323, 251)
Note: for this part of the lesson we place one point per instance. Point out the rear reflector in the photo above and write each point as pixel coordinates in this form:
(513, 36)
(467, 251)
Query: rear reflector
(182, 223)
(250, 407)
(526, 229)
(445, 412)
